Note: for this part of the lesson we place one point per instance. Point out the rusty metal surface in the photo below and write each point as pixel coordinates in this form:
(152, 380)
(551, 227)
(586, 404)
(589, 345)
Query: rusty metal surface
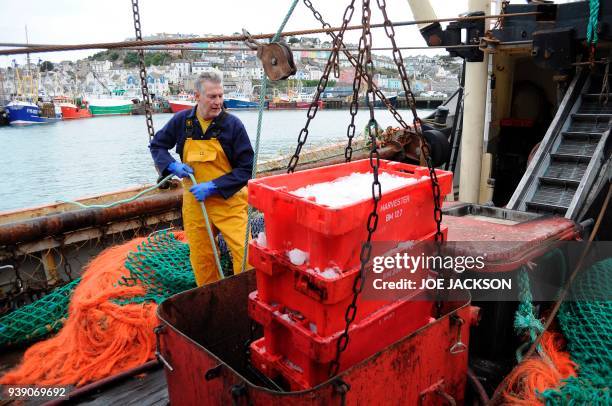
(60, 223)
(205, 330)
(509, 245)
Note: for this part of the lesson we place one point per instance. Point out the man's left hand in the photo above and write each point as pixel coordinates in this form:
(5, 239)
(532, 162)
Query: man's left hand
(202, 191)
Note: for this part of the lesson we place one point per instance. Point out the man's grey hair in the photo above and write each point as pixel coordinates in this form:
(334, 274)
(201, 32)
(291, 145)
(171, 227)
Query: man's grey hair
(212, 77)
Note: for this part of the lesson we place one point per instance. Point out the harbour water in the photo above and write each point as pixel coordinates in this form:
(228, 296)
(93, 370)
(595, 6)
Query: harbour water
(70, 159)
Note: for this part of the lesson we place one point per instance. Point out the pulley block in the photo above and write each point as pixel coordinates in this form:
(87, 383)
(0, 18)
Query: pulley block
(276, 58)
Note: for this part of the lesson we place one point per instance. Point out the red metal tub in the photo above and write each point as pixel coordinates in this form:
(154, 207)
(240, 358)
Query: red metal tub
(202, 343)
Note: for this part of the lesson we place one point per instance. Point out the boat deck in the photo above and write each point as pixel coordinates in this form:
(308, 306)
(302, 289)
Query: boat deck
(145, 389)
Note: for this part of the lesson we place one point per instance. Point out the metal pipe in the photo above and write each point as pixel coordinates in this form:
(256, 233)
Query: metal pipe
(473, 121)
(59, 223)
(229, 38)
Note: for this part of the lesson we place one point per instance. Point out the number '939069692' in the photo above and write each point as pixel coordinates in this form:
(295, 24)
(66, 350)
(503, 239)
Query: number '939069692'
(28, 392)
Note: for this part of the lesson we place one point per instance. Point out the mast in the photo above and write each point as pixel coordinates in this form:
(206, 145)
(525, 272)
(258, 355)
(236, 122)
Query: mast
(2, 92)
(29, 91)
(474, 111)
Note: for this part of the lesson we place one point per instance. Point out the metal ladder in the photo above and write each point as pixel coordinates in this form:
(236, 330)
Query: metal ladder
(571, 155)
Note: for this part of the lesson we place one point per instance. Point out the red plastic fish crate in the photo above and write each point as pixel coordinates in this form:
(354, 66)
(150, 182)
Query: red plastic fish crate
(333, 236)
(302, 290)
(292, 350)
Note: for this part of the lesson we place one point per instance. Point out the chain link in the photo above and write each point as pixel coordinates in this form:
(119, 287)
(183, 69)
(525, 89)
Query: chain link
(365, 45)
(314, 106)
(399, 61)
(143, 73)
(350, 131)
(356, 64)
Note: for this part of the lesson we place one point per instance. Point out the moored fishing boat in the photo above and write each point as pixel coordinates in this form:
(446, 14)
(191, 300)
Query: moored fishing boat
(107, 107)
(72, 111)
(177, 105)
(238, 101)
(72, 108)
(25, 113)
(181, 101)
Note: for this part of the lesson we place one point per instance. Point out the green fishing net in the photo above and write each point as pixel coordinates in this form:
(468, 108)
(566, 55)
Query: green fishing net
(586, 323)
(36, 320)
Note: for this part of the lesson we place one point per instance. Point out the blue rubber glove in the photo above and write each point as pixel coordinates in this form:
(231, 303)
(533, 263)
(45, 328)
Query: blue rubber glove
(202, 191)
(180, 170)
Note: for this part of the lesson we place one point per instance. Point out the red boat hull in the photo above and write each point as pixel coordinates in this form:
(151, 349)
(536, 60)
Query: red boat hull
(69, 113)
(179, 106)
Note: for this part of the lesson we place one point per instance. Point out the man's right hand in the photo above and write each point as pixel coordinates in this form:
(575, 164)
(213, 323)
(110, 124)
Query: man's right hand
(180, 170)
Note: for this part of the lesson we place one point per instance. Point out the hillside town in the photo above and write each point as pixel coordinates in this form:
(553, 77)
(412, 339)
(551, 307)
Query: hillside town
(172, 71)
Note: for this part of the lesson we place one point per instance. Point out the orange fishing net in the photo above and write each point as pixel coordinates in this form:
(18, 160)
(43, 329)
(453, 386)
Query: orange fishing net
(538, 374)
(100, 338)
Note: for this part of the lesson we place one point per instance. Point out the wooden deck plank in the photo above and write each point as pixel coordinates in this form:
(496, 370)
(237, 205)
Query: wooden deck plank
(149, 389)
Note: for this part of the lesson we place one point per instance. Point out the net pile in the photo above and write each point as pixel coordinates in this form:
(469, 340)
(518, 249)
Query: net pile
(575, 368)
(586, 323)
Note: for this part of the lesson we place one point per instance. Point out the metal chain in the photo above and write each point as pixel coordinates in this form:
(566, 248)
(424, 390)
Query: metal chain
(314, 106)
(397, 58)
(350, 131)
(366, 249)
(356, 64)
(143, 72)
(500, 21)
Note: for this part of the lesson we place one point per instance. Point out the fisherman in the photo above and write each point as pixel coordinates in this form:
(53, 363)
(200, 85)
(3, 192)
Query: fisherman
(213, 146)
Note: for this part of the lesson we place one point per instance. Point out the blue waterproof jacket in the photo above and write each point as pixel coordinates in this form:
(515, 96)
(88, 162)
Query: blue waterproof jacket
(230, 133)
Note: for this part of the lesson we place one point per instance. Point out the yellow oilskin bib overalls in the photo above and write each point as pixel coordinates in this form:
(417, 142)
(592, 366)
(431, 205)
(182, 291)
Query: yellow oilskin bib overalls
(229, 217)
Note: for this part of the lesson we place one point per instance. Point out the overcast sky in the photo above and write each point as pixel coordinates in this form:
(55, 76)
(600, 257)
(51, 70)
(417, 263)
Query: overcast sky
(87, 21)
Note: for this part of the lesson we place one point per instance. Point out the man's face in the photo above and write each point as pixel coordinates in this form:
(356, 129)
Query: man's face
(210, 100)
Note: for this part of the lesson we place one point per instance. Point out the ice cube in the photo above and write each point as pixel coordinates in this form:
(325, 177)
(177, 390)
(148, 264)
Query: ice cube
(331, 273)
(297, 256)
(261, 240)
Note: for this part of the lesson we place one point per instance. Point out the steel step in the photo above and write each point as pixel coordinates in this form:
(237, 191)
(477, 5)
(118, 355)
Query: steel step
(556, 181)
(588, 116)
(550, 208)
(589, 106)
(595, 96)
(566, 169)
(571, 157)
(553, 195)
(588, 126)
(572, 146)
(582, 135)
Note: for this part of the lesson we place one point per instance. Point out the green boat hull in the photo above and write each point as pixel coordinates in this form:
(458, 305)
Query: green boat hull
(110, 110)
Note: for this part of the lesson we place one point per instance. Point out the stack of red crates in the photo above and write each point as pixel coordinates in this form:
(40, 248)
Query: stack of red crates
(302, 307)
